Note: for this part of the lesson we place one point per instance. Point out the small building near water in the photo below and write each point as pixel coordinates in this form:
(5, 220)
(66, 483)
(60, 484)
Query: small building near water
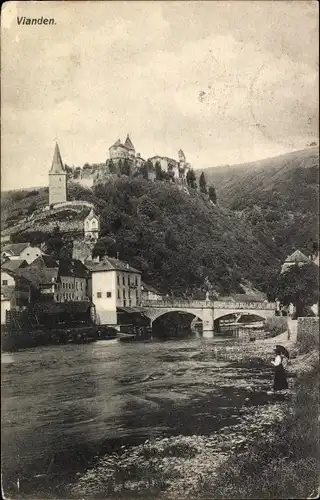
(149, 293)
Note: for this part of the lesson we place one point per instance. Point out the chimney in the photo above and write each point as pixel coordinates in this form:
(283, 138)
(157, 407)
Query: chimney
(117, 256)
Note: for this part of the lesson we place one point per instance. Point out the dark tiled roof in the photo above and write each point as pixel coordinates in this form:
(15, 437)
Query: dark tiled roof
(12, 265)
(38, 276)
(15, 249)
(128, 143)
(72, 267)
(44, 261)
(117, 144)
(110, 264)
(57, 166)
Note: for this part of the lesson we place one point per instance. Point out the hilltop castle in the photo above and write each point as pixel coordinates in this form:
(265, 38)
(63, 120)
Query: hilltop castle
(121, 152)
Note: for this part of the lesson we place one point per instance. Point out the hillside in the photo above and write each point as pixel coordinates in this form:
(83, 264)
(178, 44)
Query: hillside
(179, 241)
(293, 177)
(277, 196)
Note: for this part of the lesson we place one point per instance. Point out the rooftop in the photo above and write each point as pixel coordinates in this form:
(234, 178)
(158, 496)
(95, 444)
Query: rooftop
(12, 265)
(15, 249)
(57, 166)
(297, 256)
(110, 264)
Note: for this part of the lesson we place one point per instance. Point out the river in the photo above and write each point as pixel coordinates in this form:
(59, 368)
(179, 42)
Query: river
(64, 406)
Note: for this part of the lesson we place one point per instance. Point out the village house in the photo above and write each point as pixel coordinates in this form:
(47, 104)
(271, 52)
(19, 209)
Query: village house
(21, 251)
(296, 258)
(149, 293)
(115, 287)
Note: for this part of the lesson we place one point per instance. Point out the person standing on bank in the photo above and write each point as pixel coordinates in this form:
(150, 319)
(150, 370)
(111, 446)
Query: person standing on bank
(280, 362)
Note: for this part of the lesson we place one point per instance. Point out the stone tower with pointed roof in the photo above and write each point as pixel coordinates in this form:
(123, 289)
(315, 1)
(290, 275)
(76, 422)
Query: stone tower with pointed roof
(57, 179)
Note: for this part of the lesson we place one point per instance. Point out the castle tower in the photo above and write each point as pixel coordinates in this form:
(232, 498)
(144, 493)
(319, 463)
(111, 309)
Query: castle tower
(128, 144)
(57, 179)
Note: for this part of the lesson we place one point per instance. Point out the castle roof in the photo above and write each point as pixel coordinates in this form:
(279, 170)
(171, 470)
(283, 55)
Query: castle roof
(57, 166)
(118, 144)
(128, 143)
(297, 256)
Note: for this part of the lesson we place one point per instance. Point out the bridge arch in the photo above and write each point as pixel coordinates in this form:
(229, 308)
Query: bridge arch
(154, 314)
(250, 312)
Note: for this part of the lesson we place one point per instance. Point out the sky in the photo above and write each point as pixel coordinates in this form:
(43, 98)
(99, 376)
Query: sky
(228, 82)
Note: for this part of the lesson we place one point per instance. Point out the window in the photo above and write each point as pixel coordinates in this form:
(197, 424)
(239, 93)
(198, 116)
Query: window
(81, 285)
(118, 294)
(123, 280)
(108, 295)
(124, 302)
(4, 282)
(124, 293)
(129, 302)
(136, 281)
(99, 295)
(118, 279)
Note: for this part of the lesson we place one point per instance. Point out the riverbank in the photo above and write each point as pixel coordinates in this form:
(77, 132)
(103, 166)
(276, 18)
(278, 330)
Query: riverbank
(266, 451)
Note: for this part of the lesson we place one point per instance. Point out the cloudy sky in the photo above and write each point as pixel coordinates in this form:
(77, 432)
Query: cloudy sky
(227, 82)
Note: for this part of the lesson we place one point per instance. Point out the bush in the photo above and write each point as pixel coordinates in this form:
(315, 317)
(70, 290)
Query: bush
(275, 326)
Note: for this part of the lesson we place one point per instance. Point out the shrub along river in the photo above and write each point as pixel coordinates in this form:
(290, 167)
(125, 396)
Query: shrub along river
(109, 419)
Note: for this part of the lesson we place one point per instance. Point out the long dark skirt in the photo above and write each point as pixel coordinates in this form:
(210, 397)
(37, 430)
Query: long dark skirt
(280, 379)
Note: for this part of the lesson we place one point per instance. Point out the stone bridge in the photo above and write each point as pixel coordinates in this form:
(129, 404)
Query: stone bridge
(207, 311)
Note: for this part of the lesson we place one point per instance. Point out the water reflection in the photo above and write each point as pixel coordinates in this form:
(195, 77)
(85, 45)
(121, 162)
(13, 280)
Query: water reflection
(64, 405)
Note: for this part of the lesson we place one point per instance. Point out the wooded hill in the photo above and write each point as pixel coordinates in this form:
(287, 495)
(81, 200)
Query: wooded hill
(278, 197)
(183, 243)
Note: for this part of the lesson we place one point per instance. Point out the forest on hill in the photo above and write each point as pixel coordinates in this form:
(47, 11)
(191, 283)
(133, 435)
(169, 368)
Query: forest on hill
(278, 197)
(182, 243)
(185, 244)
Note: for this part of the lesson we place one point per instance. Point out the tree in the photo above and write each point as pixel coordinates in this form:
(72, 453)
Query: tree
(203, 183)
(32, 207)
(119, 168)
(299, 285)
(191, 179)
(111, 166)
(159, 173)
(125, 170)
(212, 194)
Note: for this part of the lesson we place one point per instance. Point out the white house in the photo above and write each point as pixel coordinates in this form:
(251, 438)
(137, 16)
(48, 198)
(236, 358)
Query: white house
(21, 251)
(296, 257)
(91, 225)
(149, 293)
(114, 285)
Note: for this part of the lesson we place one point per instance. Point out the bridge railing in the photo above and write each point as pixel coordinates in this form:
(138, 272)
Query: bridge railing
(177, 303)
(185, 304)
(244, 305)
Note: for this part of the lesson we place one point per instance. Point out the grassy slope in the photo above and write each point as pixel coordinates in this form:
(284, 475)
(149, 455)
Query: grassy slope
(249, 183)
(278, 197)
(15, 203)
